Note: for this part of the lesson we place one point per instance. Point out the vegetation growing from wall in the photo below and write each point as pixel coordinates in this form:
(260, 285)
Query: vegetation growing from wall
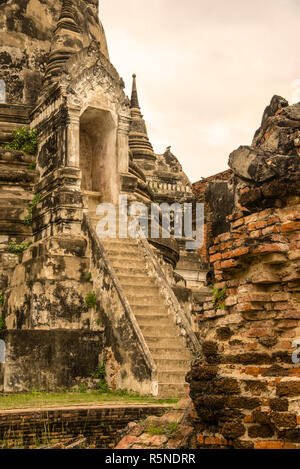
(32, 166)
(15, 248)
(24, 139)
(1, 297)
(91, 300)
(219, 297)
(100, 374)
(2, 323)
(30, 206)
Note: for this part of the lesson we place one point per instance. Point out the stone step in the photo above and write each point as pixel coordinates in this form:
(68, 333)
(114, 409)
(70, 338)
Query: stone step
(157, 342)
(165, 353)
(129, 247)
(129, 262)
(142, 281)
(139, 290)
(157, 331)
(124, 252)
(173, 364)
(130, 272)
(152, 309)
(111, 243)
(149, 320)
(172, 377)
(125, 255)
(149, 313)
(170, 390)
(146, 300)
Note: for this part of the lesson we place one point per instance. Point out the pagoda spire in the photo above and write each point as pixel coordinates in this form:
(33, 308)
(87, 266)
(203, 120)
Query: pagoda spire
(134, 94)
(139, 143)
(67, 19)
(67, 40)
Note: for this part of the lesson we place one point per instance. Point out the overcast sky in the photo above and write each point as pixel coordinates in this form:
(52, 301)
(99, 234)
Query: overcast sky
(206, 69)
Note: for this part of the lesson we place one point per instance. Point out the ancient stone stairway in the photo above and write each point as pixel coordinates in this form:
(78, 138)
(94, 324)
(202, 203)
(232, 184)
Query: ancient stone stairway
(149, 306)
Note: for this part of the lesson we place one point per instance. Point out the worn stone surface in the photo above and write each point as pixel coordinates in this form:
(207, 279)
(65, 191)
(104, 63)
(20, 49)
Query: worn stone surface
(170, 431)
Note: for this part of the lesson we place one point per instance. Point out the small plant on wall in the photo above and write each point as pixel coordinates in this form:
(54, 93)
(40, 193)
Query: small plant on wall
(100, 374)
(15, 248)
(30, 206)
(24, 139)
(1, 298)
(88, 277)
(91, 300)
(2, 323)
(219, 297)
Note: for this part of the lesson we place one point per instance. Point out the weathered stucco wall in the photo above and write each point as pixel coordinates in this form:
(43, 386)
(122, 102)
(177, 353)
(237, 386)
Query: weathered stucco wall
(16, 186)
(28, 34)
(49, 360)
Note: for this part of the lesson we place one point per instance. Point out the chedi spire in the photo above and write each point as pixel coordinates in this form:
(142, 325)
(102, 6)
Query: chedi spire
(67, 40)
(134, 95)
(139, 143)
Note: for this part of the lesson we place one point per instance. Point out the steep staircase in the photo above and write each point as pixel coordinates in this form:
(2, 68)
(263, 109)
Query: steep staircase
(152, 312)
(150, 308)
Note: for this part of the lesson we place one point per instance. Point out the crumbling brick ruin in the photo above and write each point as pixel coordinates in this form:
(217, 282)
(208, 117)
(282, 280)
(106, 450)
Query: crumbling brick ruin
(246, 388)
(153, 306)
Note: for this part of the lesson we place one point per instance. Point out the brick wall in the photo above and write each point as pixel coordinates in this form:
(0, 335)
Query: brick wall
(100, 425)
(246, 390)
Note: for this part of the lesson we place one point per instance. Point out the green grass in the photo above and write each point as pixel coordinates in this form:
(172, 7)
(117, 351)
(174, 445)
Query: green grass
(69, 398)
(158, 429)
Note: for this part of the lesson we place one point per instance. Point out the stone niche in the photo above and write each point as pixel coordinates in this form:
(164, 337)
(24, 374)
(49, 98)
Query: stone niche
(98, 156)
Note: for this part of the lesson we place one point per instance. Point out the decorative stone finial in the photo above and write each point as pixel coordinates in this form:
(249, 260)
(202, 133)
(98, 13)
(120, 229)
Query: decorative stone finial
(134, 95)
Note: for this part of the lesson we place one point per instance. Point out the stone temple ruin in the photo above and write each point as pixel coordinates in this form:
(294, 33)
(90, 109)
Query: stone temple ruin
(152, 312)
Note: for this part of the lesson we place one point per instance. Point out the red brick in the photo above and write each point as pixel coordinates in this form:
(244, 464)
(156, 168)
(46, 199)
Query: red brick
(280, 297)
(291, 226)
(258, 332)
(126, 442)
(276, 247)
(268, 445)
(215, 257)
(200, 439)
(243, 307)
(254, 371)
(228, 264)
(238, 223)
(271, 229)
(210, 440)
